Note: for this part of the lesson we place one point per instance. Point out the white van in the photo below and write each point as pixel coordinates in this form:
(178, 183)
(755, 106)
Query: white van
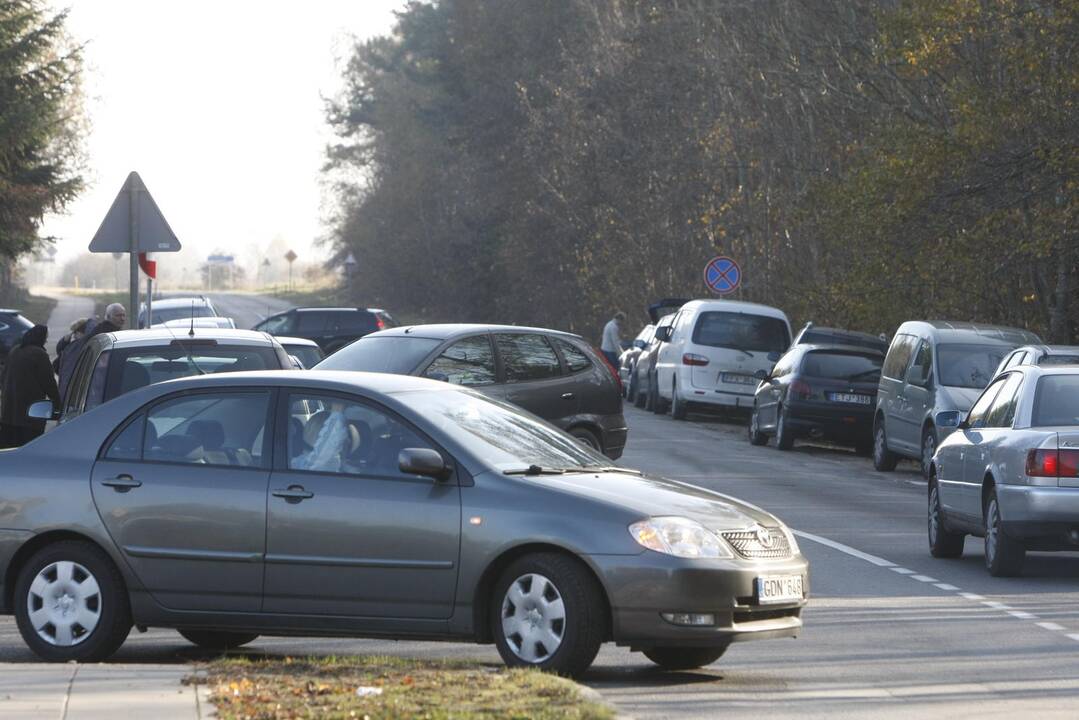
(717, 352)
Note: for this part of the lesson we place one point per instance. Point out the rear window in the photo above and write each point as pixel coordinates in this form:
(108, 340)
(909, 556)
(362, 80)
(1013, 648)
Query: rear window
(741, 331)
(812, 337)
(133, 368)
(841, 366)
(969, 366)
(354, 323)
(395, 354)
(1059, 360)
(1056, 401)
(179, 313)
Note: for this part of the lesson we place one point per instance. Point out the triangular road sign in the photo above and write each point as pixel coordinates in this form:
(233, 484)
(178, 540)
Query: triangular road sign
(151, 228)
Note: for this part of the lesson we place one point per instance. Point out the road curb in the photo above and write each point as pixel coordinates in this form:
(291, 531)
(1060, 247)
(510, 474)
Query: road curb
(592, 695)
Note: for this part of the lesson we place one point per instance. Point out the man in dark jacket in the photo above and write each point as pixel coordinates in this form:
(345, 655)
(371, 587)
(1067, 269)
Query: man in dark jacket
(27, 378)
(115, 318)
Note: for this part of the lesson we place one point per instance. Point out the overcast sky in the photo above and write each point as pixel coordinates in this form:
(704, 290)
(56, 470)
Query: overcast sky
(218, 106)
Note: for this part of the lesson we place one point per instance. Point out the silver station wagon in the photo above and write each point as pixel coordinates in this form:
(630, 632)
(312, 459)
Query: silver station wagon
(1010, 471)
(373, 505)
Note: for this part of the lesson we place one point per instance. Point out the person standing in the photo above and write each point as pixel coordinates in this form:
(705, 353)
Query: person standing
(115, 319)
(78, 329)
(611, 346)
(27, 378)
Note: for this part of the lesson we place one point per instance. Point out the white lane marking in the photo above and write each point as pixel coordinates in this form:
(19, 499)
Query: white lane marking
(974, 597)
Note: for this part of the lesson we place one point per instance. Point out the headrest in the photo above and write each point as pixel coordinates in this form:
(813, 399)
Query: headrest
(209, 433)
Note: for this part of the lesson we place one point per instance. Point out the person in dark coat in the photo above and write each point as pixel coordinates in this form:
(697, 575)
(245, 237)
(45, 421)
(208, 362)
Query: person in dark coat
(78, 330)
(115, 318)
(27, 378)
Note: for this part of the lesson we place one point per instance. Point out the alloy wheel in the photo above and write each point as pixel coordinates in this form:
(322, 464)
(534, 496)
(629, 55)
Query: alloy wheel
(64, 603)
(992, 531)
(533, 618)
(934, 515)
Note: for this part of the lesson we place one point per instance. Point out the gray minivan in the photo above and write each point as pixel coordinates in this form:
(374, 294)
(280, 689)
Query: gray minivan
(932, 367)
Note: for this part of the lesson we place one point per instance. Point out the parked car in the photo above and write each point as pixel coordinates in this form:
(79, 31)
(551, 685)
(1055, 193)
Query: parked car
(815, 335)
(713, 352)
(821, 392)
(552, 374)
(1040, 355)
(373, 505)
(1010, 471)
(176, 308)
(112, 364)
(644, 372)
(933, 367)
(627, 361)
(12, 327)
(217, 321)
(331, 328)
(306, 351)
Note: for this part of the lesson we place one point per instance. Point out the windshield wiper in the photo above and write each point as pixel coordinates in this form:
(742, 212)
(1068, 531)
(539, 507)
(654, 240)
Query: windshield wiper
(611, 469)
(535, 470)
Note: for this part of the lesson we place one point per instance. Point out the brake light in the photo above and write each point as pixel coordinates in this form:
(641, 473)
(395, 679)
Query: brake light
(379, 324)
(801, 389)
(694, 359)
(1053, 463)
(611, 369)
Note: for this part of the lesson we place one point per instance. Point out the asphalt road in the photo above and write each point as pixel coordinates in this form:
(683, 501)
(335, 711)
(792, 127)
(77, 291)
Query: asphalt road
(890, 632)
(247, 309)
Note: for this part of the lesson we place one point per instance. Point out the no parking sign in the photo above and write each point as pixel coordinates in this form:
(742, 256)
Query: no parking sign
(722, 275)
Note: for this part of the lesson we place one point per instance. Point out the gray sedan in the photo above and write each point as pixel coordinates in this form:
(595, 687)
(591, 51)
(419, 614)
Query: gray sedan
(373, 505)
(1010, 473)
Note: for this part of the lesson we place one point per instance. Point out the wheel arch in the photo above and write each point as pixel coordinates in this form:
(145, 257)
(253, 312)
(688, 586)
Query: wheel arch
(36, 543)
(989, 483)
(481, 597)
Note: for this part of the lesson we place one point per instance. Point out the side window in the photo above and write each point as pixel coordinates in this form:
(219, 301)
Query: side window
(209, 429)
(310, 322)
(527, 357)
(128, 444)
(352, 322)
(277, 325)
(1013, 360)
(470, 361)
(899, 356)
(330, 434)
(1002, 411)
(576, 359)
(922, 367)
(96, 395)
(76, 388)
(976, 418)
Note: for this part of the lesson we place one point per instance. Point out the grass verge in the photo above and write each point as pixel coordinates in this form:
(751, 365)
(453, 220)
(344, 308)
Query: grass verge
(280, 688)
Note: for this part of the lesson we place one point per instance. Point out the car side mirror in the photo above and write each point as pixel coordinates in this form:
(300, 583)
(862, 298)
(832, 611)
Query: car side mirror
(422, 461)
(663, 334)
(43, 410)
(639, 344)
(950, 419)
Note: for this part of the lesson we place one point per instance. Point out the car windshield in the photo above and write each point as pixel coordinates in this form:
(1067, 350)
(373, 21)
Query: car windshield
(741, 331)
(132, 368)
(842, 365)
(177, 313)
(969, 366)
(386, 354)
(501, 435)
(1056, 401)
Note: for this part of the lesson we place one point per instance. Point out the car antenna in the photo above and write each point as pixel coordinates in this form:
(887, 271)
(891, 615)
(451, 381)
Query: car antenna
(191, 330)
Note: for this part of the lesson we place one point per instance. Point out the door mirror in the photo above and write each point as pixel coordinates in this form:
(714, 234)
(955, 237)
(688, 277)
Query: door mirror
(663, 334)
(639, 344)
(949, 419)
(43, 410)
(422, 461)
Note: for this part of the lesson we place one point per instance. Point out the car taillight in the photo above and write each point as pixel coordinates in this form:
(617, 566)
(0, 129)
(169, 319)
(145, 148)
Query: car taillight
(801, 389)
(694, 359)
(611, 368)
(379, 324)
(1053, 463)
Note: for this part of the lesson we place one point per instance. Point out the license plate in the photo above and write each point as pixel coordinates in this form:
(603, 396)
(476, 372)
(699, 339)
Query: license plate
(850, 398)
(773, 589)
(738, 379)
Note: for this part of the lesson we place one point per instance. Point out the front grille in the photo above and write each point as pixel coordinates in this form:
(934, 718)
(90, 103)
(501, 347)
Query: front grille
(747, 544)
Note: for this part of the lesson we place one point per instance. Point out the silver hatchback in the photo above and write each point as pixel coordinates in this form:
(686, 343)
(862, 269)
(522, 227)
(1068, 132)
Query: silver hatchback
(1010, 472)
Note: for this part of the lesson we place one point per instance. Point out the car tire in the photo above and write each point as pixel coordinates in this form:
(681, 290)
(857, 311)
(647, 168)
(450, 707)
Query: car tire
(659, 405)
(641, 400)
(678, 407)
(756, 437)
(631, 388)
(217, 640)
(929, 448)
(1003, 556)
(943, 543)
(684, 658)
(784, 435)
(84, 579)
(884, 460)
(586, 437)
(524, 614)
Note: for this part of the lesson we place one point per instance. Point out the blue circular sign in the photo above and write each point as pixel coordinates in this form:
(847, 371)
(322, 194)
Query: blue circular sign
(722, 275)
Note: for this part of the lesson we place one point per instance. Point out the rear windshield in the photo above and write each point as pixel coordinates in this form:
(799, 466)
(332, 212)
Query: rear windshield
(308, 355)
(387, 354)
(969, 366)
(1060, 360)
(841, 366)
(1056, 402)
(132, 368)
(812, 337)
(741, 331)
(176, 313)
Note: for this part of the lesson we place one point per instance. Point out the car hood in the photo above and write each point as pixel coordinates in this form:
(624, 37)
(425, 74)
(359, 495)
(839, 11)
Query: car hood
(653, 496)
(956, 398)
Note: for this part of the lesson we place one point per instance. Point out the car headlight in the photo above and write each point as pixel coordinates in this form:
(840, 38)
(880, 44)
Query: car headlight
(680, 537)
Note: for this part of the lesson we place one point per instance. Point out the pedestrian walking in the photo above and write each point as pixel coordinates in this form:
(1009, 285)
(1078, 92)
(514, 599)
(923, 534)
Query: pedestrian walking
(78, 330)
(65, 364)
(611, 346)
(27, 379)
(115, 319)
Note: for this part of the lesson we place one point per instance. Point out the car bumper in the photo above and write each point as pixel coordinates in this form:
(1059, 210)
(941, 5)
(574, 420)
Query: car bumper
(642, 587)
(721, 398)
(613, 433)
(839, 421)
(1042, 517)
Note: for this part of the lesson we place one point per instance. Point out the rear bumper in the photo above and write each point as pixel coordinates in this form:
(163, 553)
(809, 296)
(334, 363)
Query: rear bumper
(613, 432)
(723, 398)
(1045, 518)
(834, 421)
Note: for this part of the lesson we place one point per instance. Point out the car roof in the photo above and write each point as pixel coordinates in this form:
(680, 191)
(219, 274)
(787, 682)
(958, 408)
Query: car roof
(315, 308)
(839, 332)
(296, 341)
(444, 331)
(837, 347)
(1042, 370)
(387, 383)
(958, 331)
(1051, 349)
(739, 306)
(170, 302)
(153, 337)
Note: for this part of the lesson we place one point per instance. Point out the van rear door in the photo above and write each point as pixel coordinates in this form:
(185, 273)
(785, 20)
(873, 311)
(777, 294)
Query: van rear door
(736, 346)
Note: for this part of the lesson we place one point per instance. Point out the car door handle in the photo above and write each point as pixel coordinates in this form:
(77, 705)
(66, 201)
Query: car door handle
(567, 396)
(121, 483)
(293, 493)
